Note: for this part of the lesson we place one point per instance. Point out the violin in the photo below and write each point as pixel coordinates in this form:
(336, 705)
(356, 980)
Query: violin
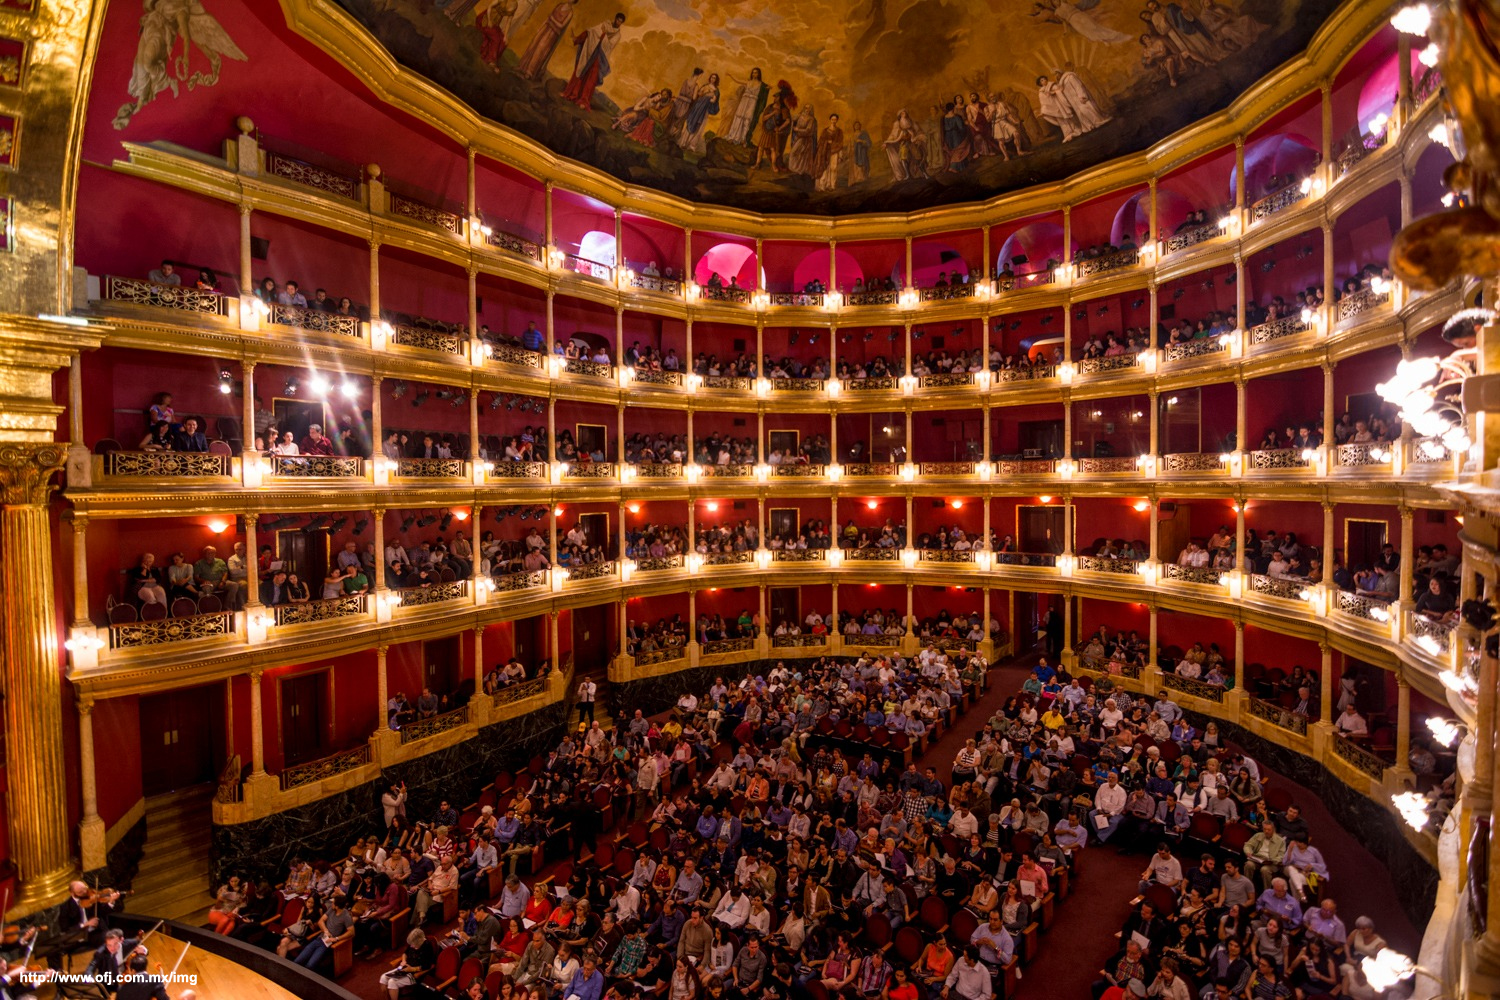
(11, 935)
(106, 896)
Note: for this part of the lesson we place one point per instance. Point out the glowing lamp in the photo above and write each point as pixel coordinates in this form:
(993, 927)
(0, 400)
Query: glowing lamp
(218, 527)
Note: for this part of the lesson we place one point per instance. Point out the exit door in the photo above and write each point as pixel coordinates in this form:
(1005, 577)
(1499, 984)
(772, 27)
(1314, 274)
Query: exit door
(181, 738)
(591, 638)
(304, 714)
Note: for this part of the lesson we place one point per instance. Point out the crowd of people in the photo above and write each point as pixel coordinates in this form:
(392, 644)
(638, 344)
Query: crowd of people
(722, 539)
(775, 847)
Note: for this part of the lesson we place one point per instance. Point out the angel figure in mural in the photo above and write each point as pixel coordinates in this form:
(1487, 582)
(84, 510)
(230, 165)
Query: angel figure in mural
(1076, 17)
(591, 65)
(163, 22)
(1233, 31)
(1182, 31)
(1052, 107)
(749, 101)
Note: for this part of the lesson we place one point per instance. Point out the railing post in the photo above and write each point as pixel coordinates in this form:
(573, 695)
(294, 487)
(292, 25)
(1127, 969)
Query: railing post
(374, 194)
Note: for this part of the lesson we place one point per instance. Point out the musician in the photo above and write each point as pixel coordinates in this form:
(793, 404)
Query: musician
(86, 912)
(109, 961)
(141, 989)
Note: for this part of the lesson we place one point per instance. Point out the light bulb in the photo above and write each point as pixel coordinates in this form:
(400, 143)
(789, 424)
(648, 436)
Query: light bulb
(1445, 731)
(350, 390)
(319, 385)
(1413, 20)
(1429, 57)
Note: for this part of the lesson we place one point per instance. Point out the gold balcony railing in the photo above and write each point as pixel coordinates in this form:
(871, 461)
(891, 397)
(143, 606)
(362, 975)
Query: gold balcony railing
(944, 556)
(1035, 373)
(1107, 364)
(1090, 266)
(1360, 757)
(664, 655)
(872, 383)
(518, 470)
(309, 612)
(871, 554)
(418, 212)
(430, 468)
(1192, 461)
(135, 635)
(1190, 237)
(1282, 718)
(728, 558)
(316, 320)
(658, 564)
(1278, 460)
(512, 243)
(1193, 686)
(593, 369)
(435, 593)
(510, 354)
(1107, 564)
(520, 690)
(944, 469)
(317, 466)
(656, 283)
(1276, 329)
(649, 377)
(325, 767)
(167, 464)
(590, 470)
(798, 555)
(657, 470)
(1368, 608)
(1199, 347)
(798, 641)
(521, 581)
(947, 380)
(742, 644)
(1278, 201)
(309, 175)
(798, 385)
(798, 470)
(591, 571)
(597, 270)
(422, 729)
(428, 338)
(184, 298)
(861, 470)
(1203, 575)
(1270, 586)
(1354, 303)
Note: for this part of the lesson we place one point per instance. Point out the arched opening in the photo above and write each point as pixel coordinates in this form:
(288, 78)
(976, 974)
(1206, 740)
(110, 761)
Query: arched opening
(1027, 250)
(928, 260)
(1275, 157)
(815, 267)
(598, 247)
(727, 260)
(1172, 210)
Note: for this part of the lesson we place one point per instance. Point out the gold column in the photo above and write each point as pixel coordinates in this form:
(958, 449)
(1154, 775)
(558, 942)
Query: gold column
(1067, 251)
(80, 523)
(1403, 81)
(75, 400)
(1239, 176)
(1153, 230)
(247, 409)
(553, 647)
(1325, 684)
(833, 273)
(1328, 278)
(1241, 420)
(374, 281)
(1328, 395)
(547, 233)
(911, 611)
(1326, 89)
(91, 829)
(1239, 537)
(479, 661)
(687, 279)
(1151, 527)
(381, 691)
(1239, 657)
(471, 203)
(378, 516)
(473, 272)
(1403, 728)
(907, 282)
(1151, 650)
(40, 841)
(1408, 552)
(1155, 426)
(247, 260)
(1240, 294)
(988, 453)
(377, 422)
(473, 426)
(257, 728)
(1066, 655)
(252, 563)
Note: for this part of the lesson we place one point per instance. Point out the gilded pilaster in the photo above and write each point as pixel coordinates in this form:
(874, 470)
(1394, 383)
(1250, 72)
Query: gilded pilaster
(40, 841)
(80, 525)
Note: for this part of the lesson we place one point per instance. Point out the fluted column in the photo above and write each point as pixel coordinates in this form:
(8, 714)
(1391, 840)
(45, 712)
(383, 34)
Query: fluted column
(1239, 657)
(1408, 553)
(1241, 420)
(1240, 201)
(1239, 537)
(377, 422)
(38, 803)
(1151, 527)
(1325, 684)
(1151, 651)
(378, 516)
(1066, 656)
(257, 728)
(91, 845)
(479, 661)
(247, 409)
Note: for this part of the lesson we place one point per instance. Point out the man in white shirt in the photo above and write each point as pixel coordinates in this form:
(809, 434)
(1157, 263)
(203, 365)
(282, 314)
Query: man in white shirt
(963, 824)
(1351, 723)
(733, 908)
(969, 978)
(1109, 808)
(1162, 869)
(626, 903)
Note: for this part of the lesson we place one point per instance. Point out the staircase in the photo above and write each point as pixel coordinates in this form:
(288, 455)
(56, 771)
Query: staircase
(172, 880)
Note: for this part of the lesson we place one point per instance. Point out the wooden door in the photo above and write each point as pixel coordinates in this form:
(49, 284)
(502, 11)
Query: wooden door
(786, 606)
(304, 715)
(1363, 541)
(591, 639)
(596, 532)
(1181, 427)
(529, 638)
(1028, 619)
(181, 738)
(1040, 529)
(297, 415)
(442, 664)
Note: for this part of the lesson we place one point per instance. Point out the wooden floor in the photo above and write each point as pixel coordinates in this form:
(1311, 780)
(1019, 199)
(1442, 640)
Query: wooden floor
(217, 978)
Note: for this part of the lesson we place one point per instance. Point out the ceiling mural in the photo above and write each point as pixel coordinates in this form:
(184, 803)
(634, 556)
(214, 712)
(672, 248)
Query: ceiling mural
(831, 106)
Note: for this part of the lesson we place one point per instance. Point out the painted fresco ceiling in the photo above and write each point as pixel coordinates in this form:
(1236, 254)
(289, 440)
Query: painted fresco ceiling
(828, 106)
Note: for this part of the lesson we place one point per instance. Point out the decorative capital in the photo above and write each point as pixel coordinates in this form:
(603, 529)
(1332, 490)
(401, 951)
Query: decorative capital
(1329, 366)
(375, 245)
(85, 707)
(1405, 512)
(250, 519)
(27, 470)
(378, 512)
(246, 208)
(79, 519)
(1327, 506)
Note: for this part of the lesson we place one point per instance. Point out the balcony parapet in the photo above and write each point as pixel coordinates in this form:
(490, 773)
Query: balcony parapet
(317, 467)
(1115, 466)
(1195, 462)
(510, 354)
(1279, 460)
(947, 380)
(1277, 329)
(656, 283)
(312, 612)
(515, 244)
(728, 558)
(1362, 301)
(1200, 347)
(1036, 373)
(427, 469)
(1108, 365)
(1281, 718)
(430, 338)
(590, 470)
(517, 470)
(436, 593)
(588, 368)
(650, 378)
(164, 631)
(323, 768)
(1277, 202)
(1200, 575)
(799, 641)
(183, 298)
(314, 320)
(1359, 757)
(798, 470)
(591, 571)
(1191, 237)
(173, 465)
(510, 582)
(798, 385)
(1106, 564)
(872, 470)
(798, 555)
(423, 729)
(1193, 686)
(947, 556)
(666, 654)
(416, 211)
(1119, 260)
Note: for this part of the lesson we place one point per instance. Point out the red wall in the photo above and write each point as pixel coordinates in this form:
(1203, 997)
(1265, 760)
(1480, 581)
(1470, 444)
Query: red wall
(506, 307)
(119, 386)
(422, 287)
(928, 601)
(928, 518)
(1279, 400)
(117, 755)
(116, 211)
(944, 435)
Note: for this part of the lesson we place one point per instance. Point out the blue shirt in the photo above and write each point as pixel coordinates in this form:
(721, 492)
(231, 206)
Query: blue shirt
(585, 987)
(708, 827)
(506, 828)
(1287, 908)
